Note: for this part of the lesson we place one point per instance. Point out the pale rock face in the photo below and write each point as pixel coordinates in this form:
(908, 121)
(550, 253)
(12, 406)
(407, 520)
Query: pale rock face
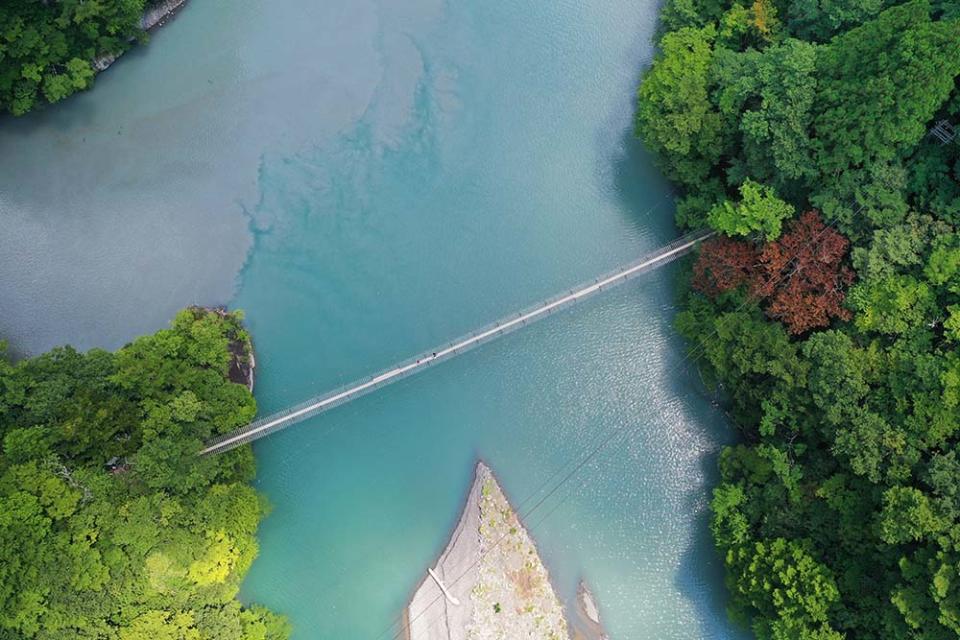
(589, 605)
(587, 626)
(153, 17)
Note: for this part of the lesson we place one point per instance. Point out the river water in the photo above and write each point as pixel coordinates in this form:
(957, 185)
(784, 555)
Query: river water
(367, 179)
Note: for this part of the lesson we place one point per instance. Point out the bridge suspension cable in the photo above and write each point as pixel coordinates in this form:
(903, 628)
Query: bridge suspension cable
(282, 419)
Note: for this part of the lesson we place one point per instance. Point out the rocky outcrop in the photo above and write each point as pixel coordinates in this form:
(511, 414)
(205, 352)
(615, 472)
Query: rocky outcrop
(497, 587)
(242, 361)
(154, 17)
(588, 625)
(157, 15)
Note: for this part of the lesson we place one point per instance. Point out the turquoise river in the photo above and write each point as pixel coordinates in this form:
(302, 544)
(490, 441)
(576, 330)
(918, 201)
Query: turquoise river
(367, 179)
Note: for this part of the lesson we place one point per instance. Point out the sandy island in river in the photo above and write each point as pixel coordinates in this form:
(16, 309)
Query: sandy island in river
(492, 569)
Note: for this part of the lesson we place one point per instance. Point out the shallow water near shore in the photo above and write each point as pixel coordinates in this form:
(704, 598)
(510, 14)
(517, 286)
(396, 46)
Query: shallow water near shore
(367, 180)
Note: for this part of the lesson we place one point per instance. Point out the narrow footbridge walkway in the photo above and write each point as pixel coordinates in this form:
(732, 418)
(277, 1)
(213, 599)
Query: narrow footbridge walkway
(280, 420)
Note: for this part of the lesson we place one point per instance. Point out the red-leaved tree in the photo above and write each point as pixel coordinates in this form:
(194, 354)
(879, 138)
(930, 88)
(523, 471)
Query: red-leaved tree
(723, 264)
(801, 276)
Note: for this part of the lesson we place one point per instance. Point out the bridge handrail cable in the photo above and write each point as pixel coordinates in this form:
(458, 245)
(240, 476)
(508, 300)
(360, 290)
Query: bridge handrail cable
(345, 393)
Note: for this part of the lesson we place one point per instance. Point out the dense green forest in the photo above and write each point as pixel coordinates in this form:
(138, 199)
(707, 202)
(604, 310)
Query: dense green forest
(111, 527)
(47, 47)
(827, 313)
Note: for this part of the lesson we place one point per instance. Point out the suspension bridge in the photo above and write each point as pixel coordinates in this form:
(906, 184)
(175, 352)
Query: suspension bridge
(282, 419)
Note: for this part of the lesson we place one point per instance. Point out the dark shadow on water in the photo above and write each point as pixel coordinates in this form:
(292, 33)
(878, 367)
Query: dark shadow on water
(636, 185)
(700, 575)
(646, 200)
(12, 353)
(77, 113)
(643, 194)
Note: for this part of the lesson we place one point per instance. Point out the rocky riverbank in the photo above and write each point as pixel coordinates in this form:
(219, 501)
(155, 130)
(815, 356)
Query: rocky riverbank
(242, 360)
(496, 585)
(153, 18)
(158, 15)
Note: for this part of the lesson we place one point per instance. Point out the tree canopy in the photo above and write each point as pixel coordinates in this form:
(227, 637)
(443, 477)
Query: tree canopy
(47, 49)
(110, 525)
(833, 336)
(759, 211)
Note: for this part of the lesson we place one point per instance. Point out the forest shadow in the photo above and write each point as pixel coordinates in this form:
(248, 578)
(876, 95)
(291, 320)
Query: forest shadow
(700, 574)
(635, 178)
